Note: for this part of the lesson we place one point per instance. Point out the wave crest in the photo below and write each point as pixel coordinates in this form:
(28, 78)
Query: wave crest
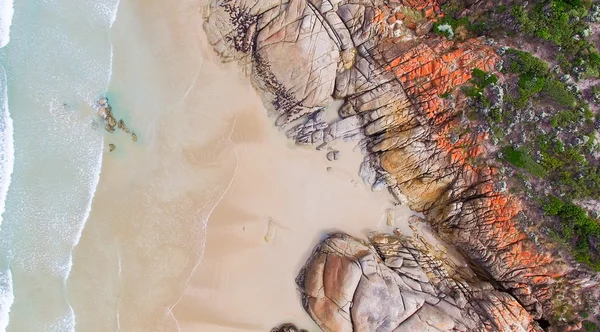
(6, 15)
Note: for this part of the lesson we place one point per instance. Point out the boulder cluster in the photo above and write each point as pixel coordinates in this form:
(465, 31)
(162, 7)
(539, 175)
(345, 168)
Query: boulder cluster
(104, 110)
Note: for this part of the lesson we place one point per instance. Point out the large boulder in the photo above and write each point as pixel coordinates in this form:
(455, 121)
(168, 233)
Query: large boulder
(391, 285)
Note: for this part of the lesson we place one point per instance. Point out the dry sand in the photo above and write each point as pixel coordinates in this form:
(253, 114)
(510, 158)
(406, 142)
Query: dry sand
(180, 222)
(282, 201)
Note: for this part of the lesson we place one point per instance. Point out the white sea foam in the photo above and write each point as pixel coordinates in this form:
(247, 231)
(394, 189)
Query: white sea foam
(6, 15)
(40, 224)
(7, 159)
(111, 8)
(93, 185)
(7, 149)
(113, 14)
(6, 297)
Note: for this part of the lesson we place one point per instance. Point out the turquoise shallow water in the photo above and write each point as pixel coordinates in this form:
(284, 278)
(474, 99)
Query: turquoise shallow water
(57, 63)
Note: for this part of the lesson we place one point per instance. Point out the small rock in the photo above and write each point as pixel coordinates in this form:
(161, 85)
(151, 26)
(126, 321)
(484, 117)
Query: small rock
(390, 217)
(134, 137)
(333, 155)
(111, 147)
(121, 125)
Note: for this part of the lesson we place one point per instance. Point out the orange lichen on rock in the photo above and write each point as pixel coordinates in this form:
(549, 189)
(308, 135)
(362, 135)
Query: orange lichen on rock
(466, 146)
(429, 70)
(430, 8)
(425, 71)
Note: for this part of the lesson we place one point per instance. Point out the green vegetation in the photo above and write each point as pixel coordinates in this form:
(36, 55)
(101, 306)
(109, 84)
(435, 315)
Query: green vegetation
(590, 326)
(562, 22)
(479, 81)
(555, 158)
(522, 159)
(564, 164)
(526, 64)
(577, 226)
(545, 129)
(476, 29)
(563, 119)
(535, 77)
(557, 91)
(482, 79)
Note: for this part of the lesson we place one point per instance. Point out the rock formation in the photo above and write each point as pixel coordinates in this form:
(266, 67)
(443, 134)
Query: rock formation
(390, 284)
(378, 58)
(104, 110)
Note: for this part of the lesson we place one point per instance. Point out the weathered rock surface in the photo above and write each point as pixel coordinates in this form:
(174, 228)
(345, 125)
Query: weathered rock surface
(389, 284)
(374, 55)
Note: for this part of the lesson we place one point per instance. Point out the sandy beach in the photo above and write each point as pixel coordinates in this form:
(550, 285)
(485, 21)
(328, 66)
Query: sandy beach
(203, 224)
(281, 202)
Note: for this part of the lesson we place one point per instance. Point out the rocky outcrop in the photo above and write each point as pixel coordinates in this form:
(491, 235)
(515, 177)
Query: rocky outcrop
(376, 56)
(391, 284)
(104, 110)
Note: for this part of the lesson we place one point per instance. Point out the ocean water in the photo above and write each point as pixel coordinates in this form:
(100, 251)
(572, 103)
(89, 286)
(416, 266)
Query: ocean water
(56, 61)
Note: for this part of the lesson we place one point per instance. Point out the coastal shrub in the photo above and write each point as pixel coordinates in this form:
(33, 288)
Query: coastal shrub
(523, 160)
(482, 79)
(528, 87)
(496, 115)
(448, 25)
(478, 82)
(564, 118)
(445, 30)
(534, 78)
(551, 162)
(561, 22)
(552, 206)
(575, 225)
(589, 326)
(558, 92)
(527, 64)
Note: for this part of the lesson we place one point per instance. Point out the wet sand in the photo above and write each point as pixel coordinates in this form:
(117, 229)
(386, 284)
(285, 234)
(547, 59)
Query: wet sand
(179, 236)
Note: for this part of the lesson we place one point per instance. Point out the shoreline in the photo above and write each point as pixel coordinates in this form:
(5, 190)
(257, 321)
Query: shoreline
(182, 245)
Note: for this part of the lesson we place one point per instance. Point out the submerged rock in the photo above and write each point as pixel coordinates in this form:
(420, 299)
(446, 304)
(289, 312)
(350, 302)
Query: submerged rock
(121, 125)
(104, 110)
